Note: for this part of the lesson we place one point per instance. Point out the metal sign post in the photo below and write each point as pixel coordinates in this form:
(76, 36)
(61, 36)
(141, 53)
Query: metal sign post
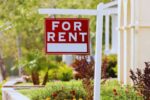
(98, 53)
(98, 56)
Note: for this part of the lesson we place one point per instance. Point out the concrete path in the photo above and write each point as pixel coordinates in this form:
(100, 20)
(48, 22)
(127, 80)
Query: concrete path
(10, 93)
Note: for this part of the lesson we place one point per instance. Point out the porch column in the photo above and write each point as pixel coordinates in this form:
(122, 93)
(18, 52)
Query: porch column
(120, 41)
(114, 34)
(127, 41)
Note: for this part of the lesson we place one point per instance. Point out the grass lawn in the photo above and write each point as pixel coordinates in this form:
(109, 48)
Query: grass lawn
(1, 90)
(111, 90)
(0, 93)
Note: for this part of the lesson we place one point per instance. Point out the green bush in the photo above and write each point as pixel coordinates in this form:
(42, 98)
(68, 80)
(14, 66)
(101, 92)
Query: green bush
(1, 91)
(63, 73)
(111, 90)
(111, 69)
(53, 74)
(57, 91)
(1, 84)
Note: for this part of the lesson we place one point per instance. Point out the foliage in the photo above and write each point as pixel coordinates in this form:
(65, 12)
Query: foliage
(0, 91)
(106, 1)
(141, 81)
(65, 73)
(57, 91)
(53, 74)
(34, 63)
(1, 85)
(111, 90)
(28, 24)
(83, 67)
(62, 72)
(109, 66)
(85, 70)
(25, 22)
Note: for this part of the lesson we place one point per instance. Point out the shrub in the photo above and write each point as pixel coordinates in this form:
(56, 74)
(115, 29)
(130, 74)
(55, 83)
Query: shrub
(63, 73)
(109, 66)
(142, 81)
(53, 74)
(0, 91)
(126, 93)
(57, 91)
(112, 90)
(34, 63)
(112, 66)
(85, 69)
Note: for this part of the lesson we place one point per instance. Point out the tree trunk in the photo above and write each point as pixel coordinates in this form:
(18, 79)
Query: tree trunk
(45, 78)
(35, 78)
(18, 40)
(3, 69)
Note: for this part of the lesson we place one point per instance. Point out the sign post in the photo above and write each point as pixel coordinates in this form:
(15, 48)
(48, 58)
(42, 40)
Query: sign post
(98, 53)
(98, 56)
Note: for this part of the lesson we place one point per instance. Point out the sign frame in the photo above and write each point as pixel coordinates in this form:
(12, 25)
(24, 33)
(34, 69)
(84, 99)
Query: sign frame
(99, 26)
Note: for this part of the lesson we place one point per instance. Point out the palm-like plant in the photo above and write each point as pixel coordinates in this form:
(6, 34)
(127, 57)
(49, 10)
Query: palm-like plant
(34, 63)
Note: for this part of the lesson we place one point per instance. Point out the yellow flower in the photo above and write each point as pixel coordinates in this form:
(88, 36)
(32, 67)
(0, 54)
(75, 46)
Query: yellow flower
(48, 98)
(74, 98)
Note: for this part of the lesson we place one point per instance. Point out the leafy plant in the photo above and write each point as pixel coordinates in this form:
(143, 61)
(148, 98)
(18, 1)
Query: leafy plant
(34, 63)
(112, 90)
(57, 91)
(141, 81)
(126, 93)
(62, 72)
(85, 69)
(65, 72)
(106, 1)
(53, 74)
(109, 66)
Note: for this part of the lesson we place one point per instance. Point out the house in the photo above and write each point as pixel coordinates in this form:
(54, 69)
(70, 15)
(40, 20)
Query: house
(130, 34)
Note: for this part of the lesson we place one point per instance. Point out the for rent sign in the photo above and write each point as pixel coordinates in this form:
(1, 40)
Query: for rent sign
(67, 35)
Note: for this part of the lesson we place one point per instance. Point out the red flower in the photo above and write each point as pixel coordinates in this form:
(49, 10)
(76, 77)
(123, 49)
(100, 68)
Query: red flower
(54, 95)
(115, 93)
(73, 92)
(114, 90)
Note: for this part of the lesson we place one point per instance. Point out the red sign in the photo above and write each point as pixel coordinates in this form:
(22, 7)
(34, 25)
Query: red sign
(67, 35)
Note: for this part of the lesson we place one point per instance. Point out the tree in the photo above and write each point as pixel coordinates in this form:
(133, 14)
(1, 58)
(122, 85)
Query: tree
(28, 24)
(34, 63)
(3, 69)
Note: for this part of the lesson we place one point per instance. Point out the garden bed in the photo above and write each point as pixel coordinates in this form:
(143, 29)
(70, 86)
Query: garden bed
(110, 90)
(56, 89)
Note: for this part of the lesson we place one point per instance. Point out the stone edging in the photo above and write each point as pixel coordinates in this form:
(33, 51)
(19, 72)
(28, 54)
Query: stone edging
(12, 94)
(9, 93)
